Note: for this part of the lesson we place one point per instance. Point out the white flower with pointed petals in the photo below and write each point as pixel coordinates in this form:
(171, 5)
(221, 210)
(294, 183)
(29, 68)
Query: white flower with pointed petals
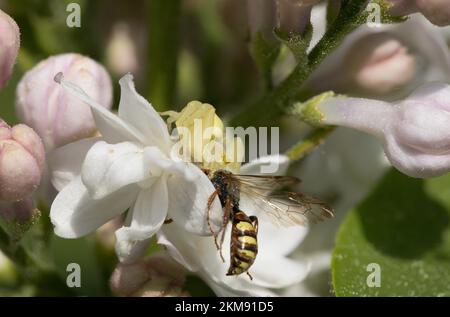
(129, 167)
(273, 269)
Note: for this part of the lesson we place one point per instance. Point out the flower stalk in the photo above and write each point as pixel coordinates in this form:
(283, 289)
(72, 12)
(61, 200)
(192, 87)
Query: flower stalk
(308, 144)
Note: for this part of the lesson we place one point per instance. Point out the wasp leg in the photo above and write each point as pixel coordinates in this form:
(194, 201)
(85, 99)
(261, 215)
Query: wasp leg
(250, 276)
(208, 217)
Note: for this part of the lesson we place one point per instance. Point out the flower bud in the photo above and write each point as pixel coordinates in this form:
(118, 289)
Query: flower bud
(9, 46)
(402, 7)
(121, 52)
(55, 115)
(415, 131)
(385, 62)
(379, 64)
(295, 15)
(436, 11)
(157, 276)
(22, 159)
(262, 17)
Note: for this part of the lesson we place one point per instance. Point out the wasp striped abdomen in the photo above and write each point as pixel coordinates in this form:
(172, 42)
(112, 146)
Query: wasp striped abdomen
(244, 243)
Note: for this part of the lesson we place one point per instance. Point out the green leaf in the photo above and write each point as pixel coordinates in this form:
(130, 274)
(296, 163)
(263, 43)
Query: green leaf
(404, 227)
(82, 252)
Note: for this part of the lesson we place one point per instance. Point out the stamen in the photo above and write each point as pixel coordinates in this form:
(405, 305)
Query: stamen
(106, 114)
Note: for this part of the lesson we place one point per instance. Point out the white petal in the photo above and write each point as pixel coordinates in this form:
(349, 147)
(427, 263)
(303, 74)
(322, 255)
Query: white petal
(276, 240)
(244, 290)
(65, 162)
(267, 165)
(139, 113)
(75, 214)
(112, 128)
(317, 282)
(147, 216)
(108, 167)
(199, 254)
(188, 202)
(179, 246)
(266, 274)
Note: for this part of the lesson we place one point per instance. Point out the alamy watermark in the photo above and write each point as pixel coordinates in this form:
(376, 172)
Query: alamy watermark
(237, 145)
(374, 278)
(74, 275)
(73, 19)
(374, 16)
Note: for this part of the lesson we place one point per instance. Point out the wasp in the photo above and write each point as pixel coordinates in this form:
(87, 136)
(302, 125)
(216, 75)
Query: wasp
(263, 194)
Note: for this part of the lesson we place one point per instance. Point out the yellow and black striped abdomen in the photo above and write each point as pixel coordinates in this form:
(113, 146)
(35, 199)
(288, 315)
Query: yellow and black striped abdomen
(244, 243)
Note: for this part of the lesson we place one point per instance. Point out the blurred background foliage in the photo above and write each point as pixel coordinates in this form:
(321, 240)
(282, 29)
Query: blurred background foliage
(214, 63)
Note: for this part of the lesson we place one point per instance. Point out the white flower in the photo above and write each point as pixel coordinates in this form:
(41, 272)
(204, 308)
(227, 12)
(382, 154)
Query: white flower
(415, 131)
(130, 166)
(272, 270)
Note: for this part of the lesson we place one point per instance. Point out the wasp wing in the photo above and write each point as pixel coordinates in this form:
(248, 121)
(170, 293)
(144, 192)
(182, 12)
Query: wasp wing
(263, 184)
(284, 208)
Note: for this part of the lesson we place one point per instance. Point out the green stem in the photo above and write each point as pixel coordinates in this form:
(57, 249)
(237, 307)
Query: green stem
(164, 36)
(305, 146)
(281, 98)
(43, 278)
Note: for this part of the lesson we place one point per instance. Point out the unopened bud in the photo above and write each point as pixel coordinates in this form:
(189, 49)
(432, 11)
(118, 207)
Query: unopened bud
(22, 159)
(56, 116)
(157, 276)
(9, 46)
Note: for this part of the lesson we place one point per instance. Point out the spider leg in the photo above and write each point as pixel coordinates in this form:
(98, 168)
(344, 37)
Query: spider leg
(208, 217)
(225, 220)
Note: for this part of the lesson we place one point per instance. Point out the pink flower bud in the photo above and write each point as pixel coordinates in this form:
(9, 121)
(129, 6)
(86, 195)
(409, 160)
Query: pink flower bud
(384, 62)
(58, 117)
(157, 276)
(9, 46)
(22, 158)
(415, 131)
(403, 7)
(295, 15)
(261, 16)
(436, 11)
(379, 64)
